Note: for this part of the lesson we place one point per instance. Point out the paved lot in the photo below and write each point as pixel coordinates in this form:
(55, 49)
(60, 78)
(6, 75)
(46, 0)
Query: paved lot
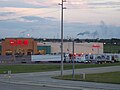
(44, 79)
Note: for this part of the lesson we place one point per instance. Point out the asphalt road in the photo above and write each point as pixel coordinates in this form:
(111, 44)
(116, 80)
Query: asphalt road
(40, 79)
(7, 86)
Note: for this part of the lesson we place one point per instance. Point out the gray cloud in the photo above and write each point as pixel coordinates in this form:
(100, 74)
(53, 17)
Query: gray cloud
(20, 4)
(105, 3)
(108, 4)
(6, 13)
(26, 3)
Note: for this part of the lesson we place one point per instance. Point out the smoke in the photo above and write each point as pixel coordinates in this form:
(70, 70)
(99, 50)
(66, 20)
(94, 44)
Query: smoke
(95, 34)
(84, 33)
(103, 30)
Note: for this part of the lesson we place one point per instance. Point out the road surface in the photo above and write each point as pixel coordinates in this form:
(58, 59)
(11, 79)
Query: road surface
(44, 79)
(7, 86)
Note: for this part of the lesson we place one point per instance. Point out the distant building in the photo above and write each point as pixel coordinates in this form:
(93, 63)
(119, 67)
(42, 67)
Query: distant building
(22, 46)
(86, 48)
(28, 46)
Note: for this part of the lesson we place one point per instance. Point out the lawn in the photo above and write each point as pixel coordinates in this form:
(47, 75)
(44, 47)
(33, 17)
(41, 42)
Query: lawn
(48, 67)
(110, 77)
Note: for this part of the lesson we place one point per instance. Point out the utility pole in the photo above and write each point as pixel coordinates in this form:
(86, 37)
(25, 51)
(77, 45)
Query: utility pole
(73, 61)
(62, 8)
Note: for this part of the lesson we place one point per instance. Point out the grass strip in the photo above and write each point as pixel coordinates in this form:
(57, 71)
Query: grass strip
(48, 67)
(109, 77)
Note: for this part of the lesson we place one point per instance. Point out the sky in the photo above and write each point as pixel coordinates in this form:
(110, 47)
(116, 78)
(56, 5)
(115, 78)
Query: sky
(84, 19)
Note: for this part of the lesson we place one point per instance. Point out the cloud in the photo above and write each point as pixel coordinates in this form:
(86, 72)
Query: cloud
(51, 18)
(30, 3)
(42, 2)
(47, 28)
(28, 22)
(44, 16)
(25, 20)
(6, 13)
(87, 30)
(35, 3)
(93, 4)
(81, 4)
(4, 0)
(104, 4)
(36, 26)
(14, 13)
(31, 17)
(23, 3)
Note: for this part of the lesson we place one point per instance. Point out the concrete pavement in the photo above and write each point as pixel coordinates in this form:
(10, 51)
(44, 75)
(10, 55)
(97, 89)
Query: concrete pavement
(44, 79)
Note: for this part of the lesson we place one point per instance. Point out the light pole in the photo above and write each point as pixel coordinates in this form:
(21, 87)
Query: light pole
(62, 35)
(114, 47)
(73, 61)
(73, 57)
(98, 44)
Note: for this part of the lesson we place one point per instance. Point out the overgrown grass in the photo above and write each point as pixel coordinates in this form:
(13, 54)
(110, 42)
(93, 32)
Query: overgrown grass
(110, 77)
(48, 67)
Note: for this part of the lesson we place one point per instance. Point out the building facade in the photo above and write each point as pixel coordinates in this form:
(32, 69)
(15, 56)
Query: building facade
(28, 46)
(21, 46)
(85, 48)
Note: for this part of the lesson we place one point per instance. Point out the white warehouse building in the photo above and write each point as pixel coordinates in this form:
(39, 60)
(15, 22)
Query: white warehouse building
(86, 48)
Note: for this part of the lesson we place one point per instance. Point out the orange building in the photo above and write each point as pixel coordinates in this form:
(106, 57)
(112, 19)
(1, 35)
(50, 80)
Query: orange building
(19, 46)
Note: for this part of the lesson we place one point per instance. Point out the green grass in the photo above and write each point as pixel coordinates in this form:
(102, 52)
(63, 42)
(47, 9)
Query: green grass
(110, 77)
(28, 68)
(111, 48)
(48, 67)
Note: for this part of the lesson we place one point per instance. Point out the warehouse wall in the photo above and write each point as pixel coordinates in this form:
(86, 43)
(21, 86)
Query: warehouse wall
(95, 48)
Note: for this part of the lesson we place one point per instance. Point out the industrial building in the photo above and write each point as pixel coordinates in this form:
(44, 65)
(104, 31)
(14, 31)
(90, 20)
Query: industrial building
(21, 46)
(28, 46)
